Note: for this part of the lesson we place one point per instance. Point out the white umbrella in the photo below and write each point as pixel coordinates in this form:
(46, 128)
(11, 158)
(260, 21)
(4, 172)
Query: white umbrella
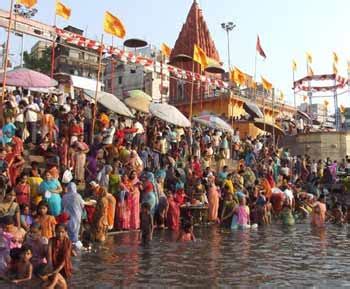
(169, 114)
(110, 101)
(213, 121)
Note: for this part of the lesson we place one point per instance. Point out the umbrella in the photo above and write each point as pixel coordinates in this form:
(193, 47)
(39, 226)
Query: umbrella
(303, 114)
(169, 114)
(110, 101)
(253, 110)
(213, 121)
(139, 94)
(140, 104)
(26, 78)
(268, 126)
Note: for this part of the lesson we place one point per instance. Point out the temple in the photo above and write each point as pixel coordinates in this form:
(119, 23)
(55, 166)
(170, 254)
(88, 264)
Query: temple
(226, 103)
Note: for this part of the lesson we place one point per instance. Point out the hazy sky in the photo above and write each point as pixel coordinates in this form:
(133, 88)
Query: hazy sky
(287, 29)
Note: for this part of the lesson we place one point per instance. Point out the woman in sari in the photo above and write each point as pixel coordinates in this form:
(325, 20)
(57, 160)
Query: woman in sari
(73, 204)
(149, 194)
(22, 190)
(133, 184)
(213, 199)
(100, 218)
(173, 214)
(91, 168)
(123, 208)
(51, 189)
(48, 126)
(81, 149)
(15, 164)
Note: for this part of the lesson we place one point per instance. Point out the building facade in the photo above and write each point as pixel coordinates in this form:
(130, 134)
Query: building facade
(75, 60)
(38, 49)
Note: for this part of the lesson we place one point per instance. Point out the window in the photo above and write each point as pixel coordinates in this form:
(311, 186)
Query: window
(120, 80)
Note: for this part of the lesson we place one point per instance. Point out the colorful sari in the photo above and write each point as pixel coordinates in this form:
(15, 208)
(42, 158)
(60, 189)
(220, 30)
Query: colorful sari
(134, 203)
(213, 199)
(61, 251)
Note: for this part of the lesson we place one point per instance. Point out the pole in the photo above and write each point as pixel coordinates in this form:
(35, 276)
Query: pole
(6, 63)
(161, 77)
(264, 116)
(255, 62)
(53, 45)
(22, 49)
(192, 91)
(112, 69)
(273, 119)
(295, 98)
(336, 109)
(96, 92)
(228, 50)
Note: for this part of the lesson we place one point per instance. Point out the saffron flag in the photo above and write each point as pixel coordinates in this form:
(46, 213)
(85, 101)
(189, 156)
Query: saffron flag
(281, 98)
(238, 77)
(335, 58)
(166, 50)
(310, 71)
(305, 98)
(342, 108)
(113, 25)
(27, 3)
(62, 10)
(335, 68)
(266, 85)
(259, 48)
(294, 65)
(326, 103)
(308, 57)
(200, 56)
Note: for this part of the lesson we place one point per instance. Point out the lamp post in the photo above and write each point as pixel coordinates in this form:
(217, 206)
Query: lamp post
(228, 27)
(21, 10)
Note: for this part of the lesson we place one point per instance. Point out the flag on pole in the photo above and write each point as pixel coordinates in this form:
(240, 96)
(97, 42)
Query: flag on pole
(27, 3)
(238, 77)
(62, 10)
(281, 98)
(309, 57)
(259, 48)
(342, 108)
(294, 65)
(305, 98)
(266, 85)
(166, 50)
(326, 103)
(113, 25)
(200, 56)
(335, 58)
(310, 71)
(335, 69)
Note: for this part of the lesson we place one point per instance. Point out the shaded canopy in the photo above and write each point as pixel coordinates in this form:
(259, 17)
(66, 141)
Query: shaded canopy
(27, 78)
(109, 101)
(253, 110)
(169, 114)
(268, 126)
(213, 121)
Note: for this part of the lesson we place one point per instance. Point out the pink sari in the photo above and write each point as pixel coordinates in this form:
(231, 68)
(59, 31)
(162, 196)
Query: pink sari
(123, 211)
(213, 199)
(134, 204)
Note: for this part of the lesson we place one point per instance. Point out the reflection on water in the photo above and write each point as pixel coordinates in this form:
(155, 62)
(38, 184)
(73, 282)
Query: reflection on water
(265, 258)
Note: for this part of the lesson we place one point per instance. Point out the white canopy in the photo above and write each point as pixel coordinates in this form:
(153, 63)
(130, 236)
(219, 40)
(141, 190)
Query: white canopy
(109, 101)
(169, 114)
(85, 83)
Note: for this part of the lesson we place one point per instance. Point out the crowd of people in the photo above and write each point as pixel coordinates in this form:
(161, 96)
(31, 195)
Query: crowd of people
(136, 174)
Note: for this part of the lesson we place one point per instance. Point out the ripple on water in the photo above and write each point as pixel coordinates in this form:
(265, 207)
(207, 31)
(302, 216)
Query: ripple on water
(277, 257)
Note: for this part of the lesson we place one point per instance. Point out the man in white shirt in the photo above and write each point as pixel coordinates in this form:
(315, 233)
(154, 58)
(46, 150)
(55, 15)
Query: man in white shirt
(108, 133)
(32, 111)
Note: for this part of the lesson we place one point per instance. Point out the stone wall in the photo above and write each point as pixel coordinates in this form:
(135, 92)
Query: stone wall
(319, 145)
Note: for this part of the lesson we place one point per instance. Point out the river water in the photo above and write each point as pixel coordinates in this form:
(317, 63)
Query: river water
(271, 257)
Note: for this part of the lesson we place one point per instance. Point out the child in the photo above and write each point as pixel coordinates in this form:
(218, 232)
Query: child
(60, 251)
(23, 268)
(38, 243)
(26, 218)
(51, 281)
(337, 214)
(187, 233)
(47, 222)
(242, 215)
(146, 223)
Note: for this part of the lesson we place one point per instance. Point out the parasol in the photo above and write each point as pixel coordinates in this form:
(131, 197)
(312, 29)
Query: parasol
(253, 110)
(110, 101)
(135, 43)
(213, 121)
(169, 114)
(303, 114)
(268, 126)
(23, 77)
(138, 103)
(214, 67)
(139, 94)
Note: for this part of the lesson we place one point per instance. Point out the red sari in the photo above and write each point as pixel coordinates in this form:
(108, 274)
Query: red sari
(134, 203)
(15, 165)
(123, 210)
(23, 193)
(173, 216)
(61, 251)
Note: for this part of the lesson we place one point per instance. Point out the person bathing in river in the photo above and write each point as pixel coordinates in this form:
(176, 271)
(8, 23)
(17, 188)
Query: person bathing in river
(186, 233)
(287, 214)
(146, 223)
(318, 215)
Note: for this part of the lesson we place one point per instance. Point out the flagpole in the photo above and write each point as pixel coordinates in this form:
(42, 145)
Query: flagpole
(255, 62)
(112, 69)
(192, 91)
(161, 77)
(6, 62)
(96, 91)
(53, 44)
(295, 98)
(273, 118)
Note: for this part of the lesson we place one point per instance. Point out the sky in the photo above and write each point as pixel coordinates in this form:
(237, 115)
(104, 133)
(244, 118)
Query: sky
(287, 29)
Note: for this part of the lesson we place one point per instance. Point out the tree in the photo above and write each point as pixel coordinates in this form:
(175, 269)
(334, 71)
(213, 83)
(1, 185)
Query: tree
(42, 64)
